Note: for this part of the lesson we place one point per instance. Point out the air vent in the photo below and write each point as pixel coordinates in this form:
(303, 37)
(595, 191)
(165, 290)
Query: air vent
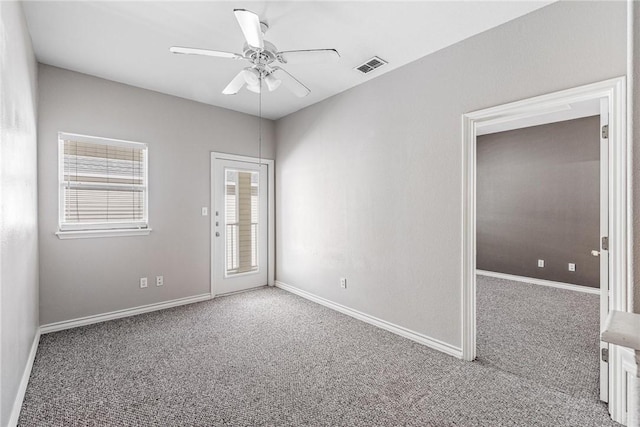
(371, 65)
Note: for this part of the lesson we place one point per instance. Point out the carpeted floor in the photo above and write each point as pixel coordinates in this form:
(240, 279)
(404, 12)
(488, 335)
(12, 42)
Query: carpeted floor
(547, 335)
(270, 358)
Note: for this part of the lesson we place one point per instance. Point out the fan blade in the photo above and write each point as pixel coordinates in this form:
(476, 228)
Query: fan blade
(291, 82)
(250, 26)
(236, 84)
(205, 52)
(308, 56)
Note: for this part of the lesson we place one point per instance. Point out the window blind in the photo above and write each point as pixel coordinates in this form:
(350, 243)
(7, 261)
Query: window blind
(103, 183)
(241, 221)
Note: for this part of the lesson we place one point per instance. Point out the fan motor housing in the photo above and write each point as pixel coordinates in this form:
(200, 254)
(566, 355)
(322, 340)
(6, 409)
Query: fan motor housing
(261, 57)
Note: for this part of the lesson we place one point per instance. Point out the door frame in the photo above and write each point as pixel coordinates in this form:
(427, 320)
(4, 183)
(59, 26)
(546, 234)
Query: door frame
(620, 239)
(271, 224)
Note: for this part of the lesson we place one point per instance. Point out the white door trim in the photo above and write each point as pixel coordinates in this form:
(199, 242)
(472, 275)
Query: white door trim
(271, 241)
(620, 240)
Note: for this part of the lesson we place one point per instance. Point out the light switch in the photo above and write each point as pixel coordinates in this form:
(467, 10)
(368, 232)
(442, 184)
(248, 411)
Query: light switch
(205, 211)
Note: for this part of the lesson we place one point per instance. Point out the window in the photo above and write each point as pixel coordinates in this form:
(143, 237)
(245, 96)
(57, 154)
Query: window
(103, 187)
(241, 221)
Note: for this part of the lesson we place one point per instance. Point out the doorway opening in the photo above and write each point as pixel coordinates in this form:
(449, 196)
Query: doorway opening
(609, 96)
(541, 211)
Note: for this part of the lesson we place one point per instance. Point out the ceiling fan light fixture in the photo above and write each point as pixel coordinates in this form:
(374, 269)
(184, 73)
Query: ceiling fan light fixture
(272, 82)
(261, 54)
(254, 88)
(251, 76)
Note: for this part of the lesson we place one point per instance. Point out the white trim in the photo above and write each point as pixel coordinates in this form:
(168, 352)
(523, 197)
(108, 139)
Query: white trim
(630, 368)
(241, 291)
(631, 112)
(543, 282)
(100, 140)
(240, 158)
(629, 364)
(382, 324)
(87, 234)
(620, 239)
(118, 314)
(92, 226)
(271, 222)
(24, 381)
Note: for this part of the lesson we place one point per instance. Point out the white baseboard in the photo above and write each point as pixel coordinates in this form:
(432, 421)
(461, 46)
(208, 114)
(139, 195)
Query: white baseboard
(24, 381)
(242, 291)
(533, 281)
(383, 324)
(82, 321)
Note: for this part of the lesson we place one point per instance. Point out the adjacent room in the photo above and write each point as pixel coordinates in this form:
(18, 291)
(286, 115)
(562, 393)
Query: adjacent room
(363, 213)
(539, 200)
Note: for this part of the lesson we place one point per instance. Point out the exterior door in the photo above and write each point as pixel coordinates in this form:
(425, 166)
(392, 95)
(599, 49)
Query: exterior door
(239, 225)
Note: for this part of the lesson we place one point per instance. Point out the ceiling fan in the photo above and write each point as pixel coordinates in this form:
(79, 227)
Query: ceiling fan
(261, 55)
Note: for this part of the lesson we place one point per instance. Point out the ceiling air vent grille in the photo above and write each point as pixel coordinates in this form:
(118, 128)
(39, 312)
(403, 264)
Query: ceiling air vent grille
(370, 65)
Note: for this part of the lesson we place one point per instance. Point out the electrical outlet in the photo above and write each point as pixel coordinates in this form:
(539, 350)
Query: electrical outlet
(143, 282)
(159, 280)
(572, 267)
(541, 263)
(343, 283)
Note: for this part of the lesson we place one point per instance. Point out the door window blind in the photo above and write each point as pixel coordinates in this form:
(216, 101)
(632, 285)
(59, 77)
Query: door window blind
(241, 221)
(103, 183)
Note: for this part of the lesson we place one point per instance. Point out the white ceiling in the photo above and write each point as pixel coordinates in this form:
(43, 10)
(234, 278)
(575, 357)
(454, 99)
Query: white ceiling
(128, 42)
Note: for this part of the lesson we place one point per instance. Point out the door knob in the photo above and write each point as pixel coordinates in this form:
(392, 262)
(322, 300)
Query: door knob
(595, 253)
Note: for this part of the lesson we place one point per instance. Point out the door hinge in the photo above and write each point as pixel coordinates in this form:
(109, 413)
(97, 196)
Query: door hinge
(605, 243)
(605, 131)
(605, 355)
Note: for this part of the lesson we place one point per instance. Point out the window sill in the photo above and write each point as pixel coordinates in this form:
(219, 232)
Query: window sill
(90, 234)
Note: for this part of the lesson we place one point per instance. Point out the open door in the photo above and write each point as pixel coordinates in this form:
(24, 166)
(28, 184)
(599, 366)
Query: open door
(603, 251)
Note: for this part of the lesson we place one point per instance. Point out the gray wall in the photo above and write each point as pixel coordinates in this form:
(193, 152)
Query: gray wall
(369, 181)
(538, 197)
(91, 276)
(18, 203)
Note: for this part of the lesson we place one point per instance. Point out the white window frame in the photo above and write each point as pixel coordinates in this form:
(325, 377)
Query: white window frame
(111, 229)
